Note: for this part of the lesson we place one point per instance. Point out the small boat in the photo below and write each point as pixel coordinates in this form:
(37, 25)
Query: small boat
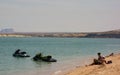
(17, 53)
(48, 58)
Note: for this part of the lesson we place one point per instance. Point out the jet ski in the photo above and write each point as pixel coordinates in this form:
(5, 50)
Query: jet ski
(39, 57)
(17, 53)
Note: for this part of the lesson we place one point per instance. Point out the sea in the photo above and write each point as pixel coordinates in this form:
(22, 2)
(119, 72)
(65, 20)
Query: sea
(69, 52)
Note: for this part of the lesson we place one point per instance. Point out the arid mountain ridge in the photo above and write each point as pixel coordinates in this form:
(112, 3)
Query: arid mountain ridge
(105, 34)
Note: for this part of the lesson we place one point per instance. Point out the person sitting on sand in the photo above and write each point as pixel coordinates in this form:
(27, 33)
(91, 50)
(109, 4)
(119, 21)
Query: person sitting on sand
(99, 61)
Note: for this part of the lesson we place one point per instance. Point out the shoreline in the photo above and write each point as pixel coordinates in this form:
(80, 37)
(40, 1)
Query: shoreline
(104, 34)
(105, 69)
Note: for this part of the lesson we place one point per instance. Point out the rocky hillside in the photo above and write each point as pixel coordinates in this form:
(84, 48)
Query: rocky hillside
(107, 34)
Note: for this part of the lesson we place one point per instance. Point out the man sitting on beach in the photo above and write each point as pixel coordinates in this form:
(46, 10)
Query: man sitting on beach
(99, 61)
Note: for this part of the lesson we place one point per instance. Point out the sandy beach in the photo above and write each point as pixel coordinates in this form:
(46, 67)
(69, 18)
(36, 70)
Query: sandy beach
(105, 69)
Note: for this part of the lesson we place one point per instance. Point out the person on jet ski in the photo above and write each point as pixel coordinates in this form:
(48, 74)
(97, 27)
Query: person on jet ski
(17, 51)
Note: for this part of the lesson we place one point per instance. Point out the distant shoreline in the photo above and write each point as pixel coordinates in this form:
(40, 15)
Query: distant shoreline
(13, 35)
(107, 34)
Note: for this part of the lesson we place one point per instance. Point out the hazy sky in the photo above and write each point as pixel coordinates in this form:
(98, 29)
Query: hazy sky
(60, 15)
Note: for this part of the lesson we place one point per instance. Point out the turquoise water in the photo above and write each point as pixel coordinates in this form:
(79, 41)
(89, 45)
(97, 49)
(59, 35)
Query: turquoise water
(68, 51)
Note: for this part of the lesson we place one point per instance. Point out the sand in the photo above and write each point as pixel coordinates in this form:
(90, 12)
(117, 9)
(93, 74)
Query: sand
(105, 69)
